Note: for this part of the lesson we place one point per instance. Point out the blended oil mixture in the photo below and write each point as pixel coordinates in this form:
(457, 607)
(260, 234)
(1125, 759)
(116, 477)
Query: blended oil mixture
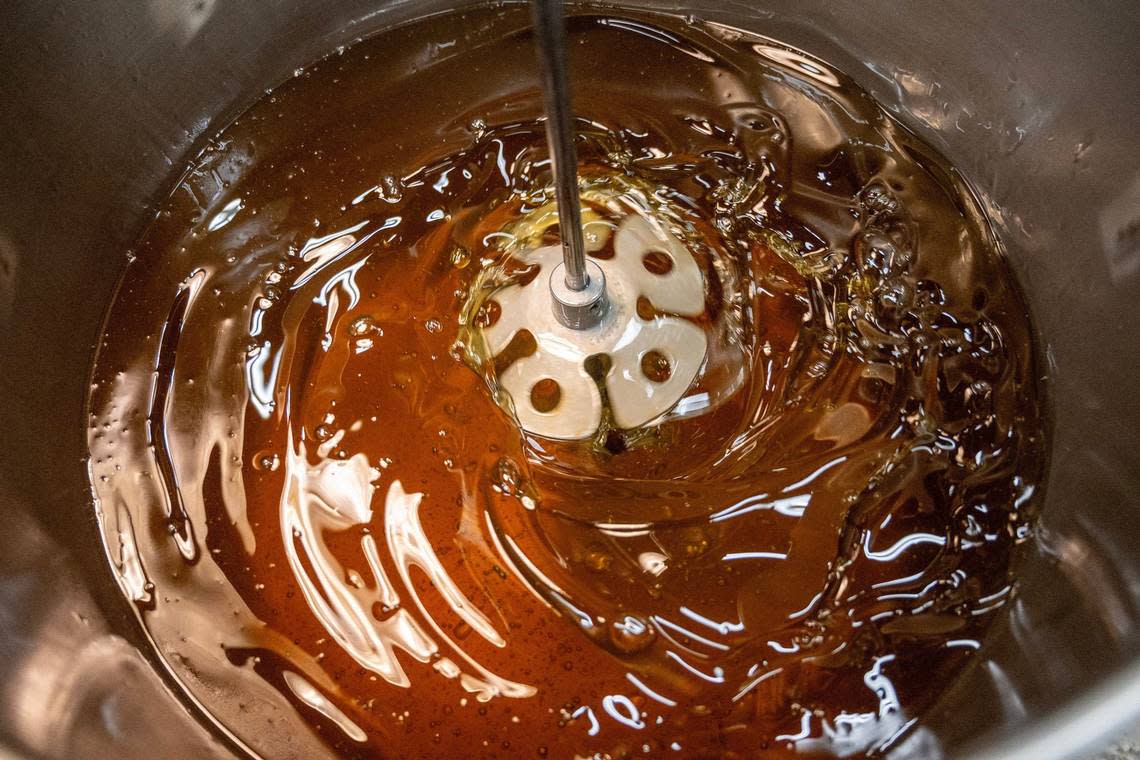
(340, 543)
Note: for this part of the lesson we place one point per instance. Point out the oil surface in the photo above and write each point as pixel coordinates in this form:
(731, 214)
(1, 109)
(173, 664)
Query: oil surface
(340, 543)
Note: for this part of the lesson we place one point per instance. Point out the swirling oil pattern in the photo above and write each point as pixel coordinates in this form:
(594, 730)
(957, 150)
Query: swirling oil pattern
(340, 544)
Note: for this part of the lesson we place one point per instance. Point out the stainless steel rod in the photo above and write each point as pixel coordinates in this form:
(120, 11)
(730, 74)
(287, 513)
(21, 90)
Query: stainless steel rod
(550, 33)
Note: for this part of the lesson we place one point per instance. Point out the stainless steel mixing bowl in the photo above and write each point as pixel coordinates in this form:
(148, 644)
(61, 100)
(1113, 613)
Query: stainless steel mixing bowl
(1037, 103)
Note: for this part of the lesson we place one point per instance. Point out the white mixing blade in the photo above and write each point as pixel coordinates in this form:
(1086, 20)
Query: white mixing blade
(634, 398)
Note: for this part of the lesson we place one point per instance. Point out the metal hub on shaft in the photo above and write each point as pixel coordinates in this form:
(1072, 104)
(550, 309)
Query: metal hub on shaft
(579, 309)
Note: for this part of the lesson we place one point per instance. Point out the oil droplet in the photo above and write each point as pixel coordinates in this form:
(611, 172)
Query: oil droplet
(267, 460)
(460, 257)
(506, 478)
(362, 326)
(631, 634)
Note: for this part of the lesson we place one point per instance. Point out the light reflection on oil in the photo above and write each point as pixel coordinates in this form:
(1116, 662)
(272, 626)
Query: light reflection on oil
(311, 495)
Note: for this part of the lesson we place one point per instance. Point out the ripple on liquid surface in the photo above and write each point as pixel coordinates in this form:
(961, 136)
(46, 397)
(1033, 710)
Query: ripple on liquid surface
(325, 521)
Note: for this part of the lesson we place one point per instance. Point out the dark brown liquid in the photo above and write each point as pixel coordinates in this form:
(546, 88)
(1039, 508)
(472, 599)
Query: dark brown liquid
(803, 568)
